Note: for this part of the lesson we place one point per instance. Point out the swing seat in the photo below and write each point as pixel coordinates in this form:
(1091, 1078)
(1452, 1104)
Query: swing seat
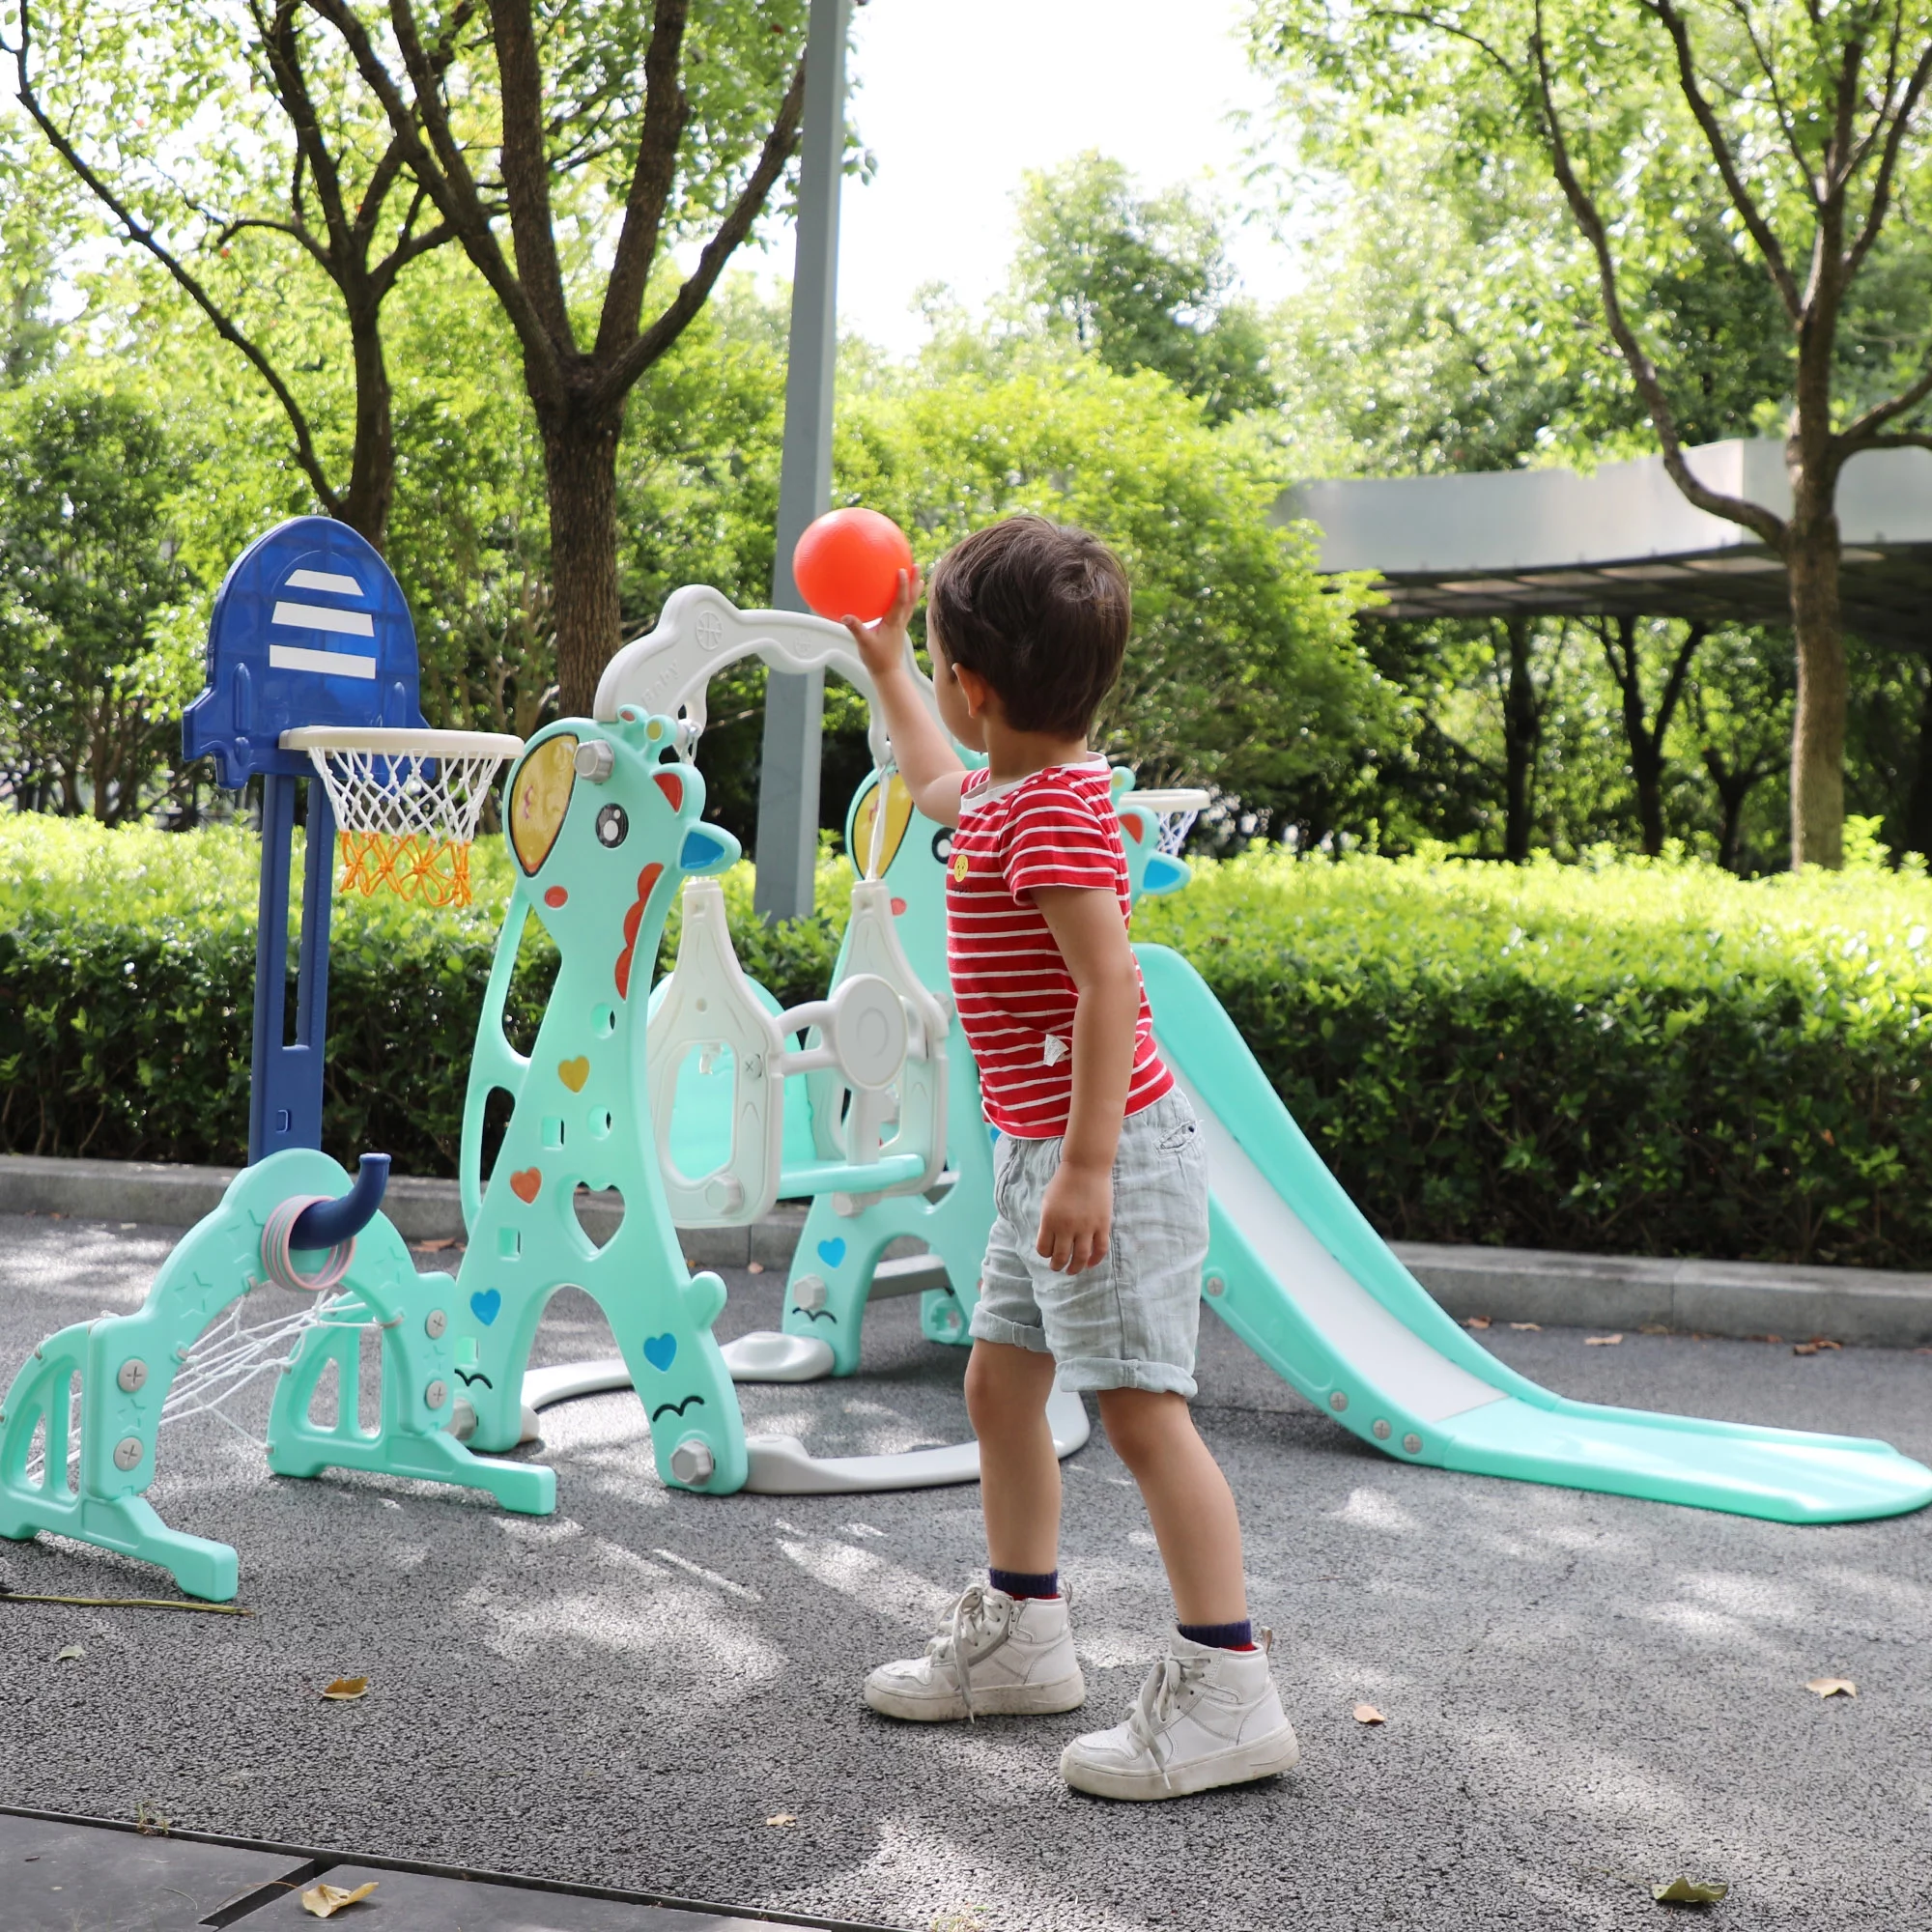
(707, 1014)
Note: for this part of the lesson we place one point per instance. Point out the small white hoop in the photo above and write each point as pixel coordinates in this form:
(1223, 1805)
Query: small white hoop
(1176, 807)
(405, 802)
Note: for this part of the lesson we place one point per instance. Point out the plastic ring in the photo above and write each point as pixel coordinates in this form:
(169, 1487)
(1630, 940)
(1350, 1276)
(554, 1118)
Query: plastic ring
(279, 1261)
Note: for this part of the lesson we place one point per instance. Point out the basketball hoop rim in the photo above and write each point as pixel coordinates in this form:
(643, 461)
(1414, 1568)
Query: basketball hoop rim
(1179, 798)
(393, 741)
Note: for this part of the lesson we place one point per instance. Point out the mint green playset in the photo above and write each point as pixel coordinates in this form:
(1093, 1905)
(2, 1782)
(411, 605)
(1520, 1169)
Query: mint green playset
(697, 1102)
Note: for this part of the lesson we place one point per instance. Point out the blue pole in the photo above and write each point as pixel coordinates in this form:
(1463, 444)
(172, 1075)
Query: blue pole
(285, 1091)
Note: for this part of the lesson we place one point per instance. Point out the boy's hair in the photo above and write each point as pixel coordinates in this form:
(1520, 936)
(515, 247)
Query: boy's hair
(1041, 612)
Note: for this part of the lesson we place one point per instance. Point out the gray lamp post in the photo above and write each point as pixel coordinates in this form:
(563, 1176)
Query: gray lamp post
(787, 845)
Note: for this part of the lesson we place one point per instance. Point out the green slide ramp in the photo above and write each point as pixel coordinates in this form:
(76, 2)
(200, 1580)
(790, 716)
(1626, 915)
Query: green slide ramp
(1297, 1272)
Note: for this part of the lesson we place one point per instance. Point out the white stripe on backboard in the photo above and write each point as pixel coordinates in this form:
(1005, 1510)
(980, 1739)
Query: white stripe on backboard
(323, 580)
(320, 617)
(332, 664)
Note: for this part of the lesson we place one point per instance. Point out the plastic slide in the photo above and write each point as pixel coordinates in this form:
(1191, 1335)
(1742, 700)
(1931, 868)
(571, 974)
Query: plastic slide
(1297, 1272)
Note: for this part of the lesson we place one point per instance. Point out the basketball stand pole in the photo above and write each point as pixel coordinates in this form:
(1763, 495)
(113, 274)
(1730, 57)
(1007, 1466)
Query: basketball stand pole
(284, 1087)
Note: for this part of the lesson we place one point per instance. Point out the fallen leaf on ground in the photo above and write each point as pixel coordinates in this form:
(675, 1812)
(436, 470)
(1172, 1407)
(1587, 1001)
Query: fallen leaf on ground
(345, 1690)
(437, 1247)
(755, 1268)
(73, 1654)
(325, 1901)
(1602, 1341)
(1689, 1891)
(1366, 1713)
(149, 1821)
(1831, 1687)
(782, 1818)
(1816, 1346)
(1476, 1322)
(1527, 1328)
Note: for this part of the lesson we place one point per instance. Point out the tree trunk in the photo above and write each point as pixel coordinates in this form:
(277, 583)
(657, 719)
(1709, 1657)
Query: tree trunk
(372, 470)
(1918, 806)
(1523, 728)
(1818, 727)
(580, 480)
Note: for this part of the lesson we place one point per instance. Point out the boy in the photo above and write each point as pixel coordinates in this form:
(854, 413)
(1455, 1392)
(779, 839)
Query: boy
(1094, 1264)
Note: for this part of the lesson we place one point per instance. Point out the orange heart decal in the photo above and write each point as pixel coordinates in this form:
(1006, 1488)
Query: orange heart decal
(523, 1184)
(574, 1073)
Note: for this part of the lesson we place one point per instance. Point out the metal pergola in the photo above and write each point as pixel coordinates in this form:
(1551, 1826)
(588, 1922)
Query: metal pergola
(1622, 540)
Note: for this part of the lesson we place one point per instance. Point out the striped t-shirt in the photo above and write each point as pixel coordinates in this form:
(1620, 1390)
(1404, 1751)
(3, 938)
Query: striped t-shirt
(1016, 998)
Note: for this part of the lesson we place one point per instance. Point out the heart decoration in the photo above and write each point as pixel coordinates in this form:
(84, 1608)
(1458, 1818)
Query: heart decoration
(574, 1073)
(661, 1351)
(831, 1252)
(899, 908)
(1135, 828)
(526, 1182)
(485, 1304)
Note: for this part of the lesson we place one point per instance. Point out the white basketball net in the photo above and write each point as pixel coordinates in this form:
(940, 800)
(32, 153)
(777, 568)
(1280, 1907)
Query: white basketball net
(1177, 810)
(406, 816)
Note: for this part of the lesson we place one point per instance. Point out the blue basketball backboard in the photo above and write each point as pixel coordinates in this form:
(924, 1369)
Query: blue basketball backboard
(309, 627)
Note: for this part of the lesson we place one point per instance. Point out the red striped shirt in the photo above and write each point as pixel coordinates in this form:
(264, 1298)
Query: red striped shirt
(1016, 998)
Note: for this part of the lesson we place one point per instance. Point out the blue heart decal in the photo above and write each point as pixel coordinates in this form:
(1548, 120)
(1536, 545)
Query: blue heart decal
(661, 1351)
(486, 1305)
(831, 1252)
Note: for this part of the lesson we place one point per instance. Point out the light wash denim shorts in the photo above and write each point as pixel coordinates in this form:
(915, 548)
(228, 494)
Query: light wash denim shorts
(1130, 1322)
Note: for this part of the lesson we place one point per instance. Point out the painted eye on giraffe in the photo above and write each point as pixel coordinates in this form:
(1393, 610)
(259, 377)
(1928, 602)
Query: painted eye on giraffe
(614, 825)
(942, 843)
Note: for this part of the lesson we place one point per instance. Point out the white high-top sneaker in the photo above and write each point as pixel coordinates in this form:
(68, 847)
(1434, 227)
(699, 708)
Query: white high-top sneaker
(1204, 1717)
(996, 1655)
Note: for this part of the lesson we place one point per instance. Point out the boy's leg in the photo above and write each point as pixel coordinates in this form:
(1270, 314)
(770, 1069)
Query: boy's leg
(1207, 1714)
(1187, 1499)
(1002, 1650)
(1007, 1388)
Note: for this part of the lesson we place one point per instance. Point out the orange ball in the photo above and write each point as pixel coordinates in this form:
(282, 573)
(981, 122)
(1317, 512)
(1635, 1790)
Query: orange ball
(847, 564)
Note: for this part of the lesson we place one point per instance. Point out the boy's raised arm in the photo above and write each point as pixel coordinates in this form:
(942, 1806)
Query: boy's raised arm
(927, 760)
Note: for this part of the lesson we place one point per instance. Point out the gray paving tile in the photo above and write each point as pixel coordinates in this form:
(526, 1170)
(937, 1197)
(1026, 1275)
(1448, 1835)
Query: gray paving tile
(59, 1877)
(417, 1902)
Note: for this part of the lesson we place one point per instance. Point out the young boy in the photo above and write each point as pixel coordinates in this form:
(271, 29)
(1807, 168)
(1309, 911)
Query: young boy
(1094, 1265)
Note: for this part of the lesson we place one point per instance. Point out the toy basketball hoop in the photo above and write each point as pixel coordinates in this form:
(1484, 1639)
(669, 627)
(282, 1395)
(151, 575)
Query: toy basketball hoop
(406, 802)
(1177, 809)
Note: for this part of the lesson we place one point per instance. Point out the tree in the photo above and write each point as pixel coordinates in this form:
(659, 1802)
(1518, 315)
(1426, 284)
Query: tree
(1142, 282)
(146, 84)
(1644, 730)
(680, 133)
(1740, 701)
(1791, 133)
(1243, 671)
(85, 478)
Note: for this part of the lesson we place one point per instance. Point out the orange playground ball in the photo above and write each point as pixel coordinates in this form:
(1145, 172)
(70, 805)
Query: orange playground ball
(847, 564)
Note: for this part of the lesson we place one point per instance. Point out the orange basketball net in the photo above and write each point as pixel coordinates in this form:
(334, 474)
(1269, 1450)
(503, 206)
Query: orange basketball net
(405, 804)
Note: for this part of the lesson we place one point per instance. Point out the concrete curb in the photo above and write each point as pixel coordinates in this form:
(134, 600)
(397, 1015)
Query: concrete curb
(1745, 1299)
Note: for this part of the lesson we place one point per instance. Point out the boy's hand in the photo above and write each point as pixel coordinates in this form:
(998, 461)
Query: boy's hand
(1076, 1217)
(882, 646)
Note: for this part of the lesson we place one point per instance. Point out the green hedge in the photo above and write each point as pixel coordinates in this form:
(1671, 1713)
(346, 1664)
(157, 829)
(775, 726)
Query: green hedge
(127, 975)
(1633, 1058)
(1624, 1058)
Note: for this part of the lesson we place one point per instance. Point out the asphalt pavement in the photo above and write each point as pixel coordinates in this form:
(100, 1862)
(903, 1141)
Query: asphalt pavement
(1583, 1694)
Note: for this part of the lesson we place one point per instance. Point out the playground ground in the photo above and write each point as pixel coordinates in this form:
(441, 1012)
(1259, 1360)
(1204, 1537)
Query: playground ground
(1583, 1694)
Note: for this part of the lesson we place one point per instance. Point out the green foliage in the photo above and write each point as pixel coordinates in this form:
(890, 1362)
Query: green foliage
(1631, 1057)
(1242, 672)
(1142, 281)
(91, 693)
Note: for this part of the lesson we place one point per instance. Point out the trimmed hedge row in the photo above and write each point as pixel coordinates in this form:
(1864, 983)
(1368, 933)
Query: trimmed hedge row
(126, 997)
(1625, 1058)
(1635, 1058)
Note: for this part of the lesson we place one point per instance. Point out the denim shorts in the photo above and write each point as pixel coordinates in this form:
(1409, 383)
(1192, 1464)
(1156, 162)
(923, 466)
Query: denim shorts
(1132, 1320)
